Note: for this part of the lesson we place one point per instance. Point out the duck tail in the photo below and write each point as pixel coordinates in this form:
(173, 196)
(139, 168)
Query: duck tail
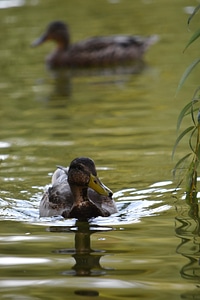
(151, 40)
(63, 168)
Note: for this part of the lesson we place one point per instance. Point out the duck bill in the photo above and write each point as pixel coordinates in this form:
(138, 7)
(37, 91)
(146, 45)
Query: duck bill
(98, 186)
(40, 40)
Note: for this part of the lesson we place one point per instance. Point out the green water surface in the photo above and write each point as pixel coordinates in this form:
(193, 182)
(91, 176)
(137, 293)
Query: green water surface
(127, 124)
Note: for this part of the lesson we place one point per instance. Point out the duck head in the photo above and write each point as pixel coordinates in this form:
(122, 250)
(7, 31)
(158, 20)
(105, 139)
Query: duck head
(56, 31)
(82, 173)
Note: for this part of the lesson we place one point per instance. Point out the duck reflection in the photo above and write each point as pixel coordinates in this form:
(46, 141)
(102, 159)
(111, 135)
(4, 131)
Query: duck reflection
(87, 260)
(62, 83)
(188, 230)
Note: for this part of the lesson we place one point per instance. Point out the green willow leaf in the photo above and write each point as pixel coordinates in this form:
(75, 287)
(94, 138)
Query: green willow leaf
(193, 109)
(191, 177)
(192, 39)
(190, 140)
(180, 162)
(194, 117)
(196, 97)
(187, 73)
(198, 152)
(185, 111)
(179, 138)
(193, 14)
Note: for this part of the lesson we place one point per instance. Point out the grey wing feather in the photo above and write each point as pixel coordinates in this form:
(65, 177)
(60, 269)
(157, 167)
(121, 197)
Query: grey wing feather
(58, 198)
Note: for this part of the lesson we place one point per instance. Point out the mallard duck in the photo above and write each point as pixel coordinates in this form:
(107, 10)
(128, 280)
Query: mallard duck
(77, 192)
(96, 51)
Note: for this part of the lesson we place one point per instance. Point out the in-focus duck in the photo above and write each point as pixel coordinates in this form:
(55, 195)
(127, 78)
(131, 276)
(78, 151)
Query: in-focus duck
(96, 51)
(77, 192)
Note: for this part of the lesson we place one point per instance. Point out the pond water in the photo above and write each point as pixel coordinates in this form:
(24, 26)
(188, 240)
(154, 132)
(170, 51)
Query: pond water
(126, 122)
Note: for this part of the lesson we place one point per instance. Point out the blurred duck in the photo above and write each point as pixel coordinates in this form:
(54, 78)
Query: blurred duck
(92, 52)
(77, 192)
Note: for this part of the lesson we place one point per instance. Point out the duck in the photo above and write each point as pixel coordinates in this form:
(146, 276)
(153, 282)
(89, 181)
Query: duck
(77, 192)
(99, 51)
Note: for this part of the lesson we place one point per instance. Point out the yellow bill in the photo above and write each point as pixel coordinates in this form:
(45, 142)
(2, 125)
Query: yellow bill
(98, 186)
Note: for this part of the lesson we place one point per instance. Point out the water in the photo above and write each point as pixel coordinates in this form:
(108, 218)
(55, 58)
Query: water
(127, 124)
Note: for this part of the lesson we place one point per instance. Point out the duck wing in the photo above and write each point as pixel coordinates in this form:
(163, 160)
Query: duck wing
(100, 43)
(100, 51)
(58, 198)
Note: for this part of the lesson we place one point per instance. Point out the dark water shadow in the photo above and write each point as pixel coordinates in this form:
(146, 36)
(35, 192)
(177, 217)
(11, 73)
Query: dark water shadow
(188, 230)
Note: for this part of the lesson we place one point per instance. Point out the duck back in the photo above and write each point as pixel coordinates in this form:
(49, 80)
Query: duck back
(102, 52)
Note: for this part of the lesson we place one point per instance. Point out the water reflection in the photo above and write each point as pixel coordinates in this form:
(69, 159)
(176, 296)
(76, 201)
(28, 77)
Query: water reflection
(188, 230)
(87, 260)
(62, 78)
(11, 3)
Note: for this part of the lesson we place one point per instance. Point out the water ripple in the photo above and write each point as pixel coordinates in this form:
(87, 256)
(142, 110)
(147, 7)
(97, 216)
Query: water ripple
(132, 206)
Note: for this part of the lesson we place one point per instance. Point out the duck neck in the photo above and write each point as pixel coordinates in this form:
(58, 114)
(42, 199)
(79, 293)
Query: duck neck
(63, 40)
(80, 193)
(64, 43)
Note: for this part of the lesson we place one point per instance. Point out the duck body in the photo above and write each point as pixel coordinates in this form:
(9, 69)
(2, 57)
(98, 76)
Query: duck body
(93, 52)
(77, 193)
